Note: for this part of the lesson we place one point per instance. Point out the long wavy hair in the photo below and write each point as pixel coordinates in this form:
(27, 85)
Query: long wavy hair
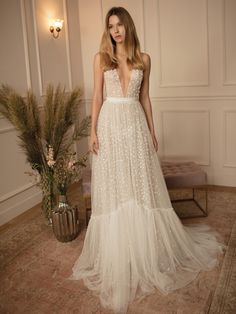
(108, 45)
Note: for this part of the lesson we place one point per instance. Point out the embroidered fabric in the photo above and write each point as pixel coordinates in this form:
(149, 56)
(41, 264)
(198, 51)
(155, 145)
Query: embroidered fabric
(113, 84)
(135, 243)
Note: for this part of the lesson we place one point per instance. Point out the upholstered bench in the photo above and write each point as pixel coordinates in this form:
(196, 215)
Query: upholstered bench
(178, 175)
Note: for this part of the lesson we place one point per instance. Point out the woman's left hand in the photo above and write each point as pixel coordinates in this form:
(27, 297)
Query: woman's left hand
(155, 142)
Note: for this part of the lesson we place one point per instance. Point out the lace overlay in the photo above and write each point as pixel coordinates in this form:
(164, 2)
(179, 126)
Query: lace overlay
(113, 86)
(134, 242)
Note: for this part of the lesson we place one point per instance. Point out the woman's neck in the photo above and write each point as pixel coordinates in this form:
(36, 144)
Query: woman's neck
(121, 51)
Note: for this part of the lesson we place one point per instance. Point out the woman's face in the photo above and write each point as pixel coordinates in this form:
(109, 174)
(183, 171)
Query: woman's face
(116, 29)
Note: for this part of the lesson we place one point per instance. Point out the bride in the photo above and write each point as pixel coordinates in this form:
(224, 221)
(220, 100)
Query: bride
(135, 243)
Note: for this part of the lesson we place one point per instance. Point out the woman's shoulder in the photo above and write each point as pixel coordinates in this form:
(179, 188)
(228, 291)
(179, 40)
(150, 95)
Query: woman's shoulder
(146, 58)
(97, 59)
(97, 56)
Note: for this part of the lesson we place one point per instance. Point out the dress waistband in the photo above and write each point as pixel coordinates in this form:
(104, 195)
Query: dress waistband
(121, 99)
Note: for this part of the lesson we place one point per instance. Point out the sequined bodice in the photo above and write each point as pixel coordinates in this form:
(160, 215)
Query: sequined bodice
(113, 84)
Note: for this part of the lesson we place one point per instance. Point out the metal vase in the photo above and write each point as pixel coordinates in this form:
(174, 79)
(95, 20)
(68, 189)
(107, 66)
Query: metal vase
(65, 220)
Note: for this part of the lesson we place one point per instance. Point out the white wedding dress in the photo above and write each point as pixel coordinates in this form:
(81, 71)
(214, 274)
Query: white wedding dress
(135, 243)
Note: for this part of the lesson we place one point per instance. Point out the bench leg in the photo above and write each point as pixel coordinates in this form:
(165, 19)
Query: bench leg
(88, 214)
(203, 210)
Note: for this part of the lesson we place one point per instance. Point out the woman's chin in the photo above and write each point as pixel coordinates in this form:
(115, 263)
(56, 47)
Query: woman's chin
(119, 41)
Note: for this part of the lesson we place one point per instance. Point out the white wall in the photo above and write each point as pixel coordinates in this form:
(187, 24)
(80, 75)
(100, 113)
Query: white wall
(192, 45)
(31, 58)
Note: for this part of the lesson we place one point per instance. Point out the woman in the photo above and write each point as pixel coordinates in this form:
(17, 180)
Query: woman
(134, 241)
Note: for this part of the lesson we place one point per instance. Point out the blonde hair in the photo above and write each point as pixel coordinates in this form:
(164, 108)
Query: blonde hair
(108, 45)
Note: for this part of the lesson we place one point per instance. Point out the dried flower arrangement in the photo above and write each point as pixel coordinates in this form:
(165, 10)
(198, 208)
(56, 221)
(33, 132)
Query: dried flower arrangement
(48, 142)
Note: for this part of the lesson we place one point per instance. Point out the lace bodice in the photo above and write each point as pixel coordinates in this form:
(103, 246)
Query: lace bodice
(113, 84)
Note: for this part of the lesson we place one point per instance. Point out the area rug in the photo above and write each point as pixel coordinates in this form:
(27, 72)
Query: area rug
(34, 268)
(224, 299)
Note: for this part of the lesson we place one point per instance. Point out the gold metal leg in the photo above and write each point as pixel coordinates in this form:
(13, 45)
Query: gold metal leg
(203, 210)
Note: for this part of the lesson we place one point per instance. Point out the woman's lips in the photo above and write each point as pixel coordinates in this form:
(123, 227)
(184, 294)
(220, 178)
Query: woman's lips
(118, 36)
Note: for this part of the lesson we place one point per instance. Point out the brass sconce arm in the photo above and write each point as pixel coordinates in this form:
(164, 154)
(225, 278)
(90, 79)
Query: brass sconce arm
(56, 27)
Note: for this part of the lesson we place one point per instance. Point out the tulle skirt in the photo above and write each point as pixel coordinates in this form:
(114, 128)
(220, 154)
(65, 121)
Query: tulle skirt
(135, 243)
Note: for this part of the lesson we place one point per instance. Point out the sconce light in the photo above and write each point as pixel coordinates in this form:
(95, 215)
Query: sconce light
(56, 27)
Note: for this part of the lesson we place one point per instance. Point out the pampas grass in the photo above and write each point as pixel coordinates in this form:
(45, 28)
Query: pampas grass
(59, 128)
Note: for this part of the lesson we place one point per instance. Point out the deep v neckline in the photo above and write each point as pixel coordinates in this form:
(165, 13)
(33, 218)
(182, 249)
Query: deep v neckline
(127, 90)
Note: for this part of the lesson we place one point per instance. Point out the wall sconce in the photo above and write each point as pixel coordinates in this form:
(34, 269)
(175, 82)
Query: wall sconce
(56, 27)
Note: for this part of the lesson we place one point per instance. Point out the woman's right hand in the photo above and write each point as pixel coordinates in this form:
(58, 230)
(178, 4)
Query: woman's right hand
(93, 144)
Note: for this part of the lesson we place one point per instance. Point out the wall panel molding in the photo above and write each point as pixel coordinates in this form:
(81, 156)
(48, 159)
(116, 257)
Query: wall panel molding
(182, 98)
(68, 53)
(26, 45)
(184, 83)
(196, 97)
(225, 162)
(37, 47)
(37, 50)
(143, 26)
(226, 82)
(14, 60)
(102, 13)
(205, 161)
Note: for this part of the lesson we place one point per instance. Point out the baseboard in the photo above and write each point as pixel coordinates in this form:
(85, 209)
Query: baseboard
(19, 204)
(222, 180)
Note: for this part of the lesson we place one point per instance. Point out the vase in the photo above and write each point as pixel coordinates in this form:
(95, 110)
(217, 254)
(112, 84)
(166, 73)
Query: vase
(65, 220)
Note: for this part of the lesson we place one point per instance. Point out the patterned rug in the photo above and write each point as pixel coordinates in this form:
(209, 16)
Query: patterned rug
(34, 267)
(224, 299)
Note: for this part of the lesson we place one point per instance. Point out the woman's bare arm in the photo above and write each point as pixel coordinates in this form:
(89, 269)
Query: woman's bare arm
(144, 93)
(97, 93)
(96, 103)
